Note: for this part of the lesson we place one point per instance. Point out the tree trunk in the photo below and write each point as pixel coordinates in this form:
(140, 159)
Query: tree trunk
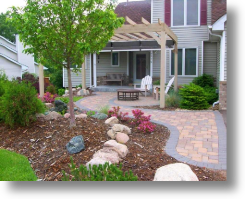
(71, 105)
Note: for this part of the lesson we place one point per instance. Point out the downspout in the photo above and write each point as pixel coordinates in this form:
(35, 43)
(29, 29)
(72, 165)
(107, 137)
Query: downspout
(221, 51)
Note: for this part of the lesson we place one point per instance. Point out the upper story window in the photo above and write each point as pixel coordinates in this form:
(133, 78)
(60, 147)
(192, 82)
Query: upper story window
(185, 13)
(115, 59)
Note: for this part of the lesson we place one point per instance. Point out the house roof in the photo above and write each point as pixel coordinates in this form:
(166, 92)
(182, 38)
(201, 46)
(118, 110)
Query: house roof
(12, 60)
(218, 9)
(134, 10)
(7, 40)
(11, 49)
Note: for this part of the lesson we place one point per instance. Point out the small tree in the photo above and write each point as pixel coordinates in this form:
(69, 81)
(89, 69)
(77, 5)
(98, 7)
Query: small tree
(62, 32)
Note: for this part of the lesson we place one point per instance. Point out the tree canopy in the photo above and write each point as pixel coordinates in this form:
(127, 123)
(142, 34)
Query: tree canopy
(7, 29)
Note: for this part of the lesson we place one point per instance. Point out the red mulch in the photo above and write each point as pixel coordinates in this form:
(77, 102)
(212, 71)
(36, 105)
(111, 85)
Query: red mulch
(44, 145)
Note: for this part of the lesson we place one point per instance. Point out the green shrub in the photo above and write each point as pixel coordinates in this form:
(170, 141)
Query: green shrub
(51, 89)
(100, 116)
(15, 167)
(172, 99)
(3, 82)
(104, 109)
(193, 97)
(157, 82)
(63, 99)
(19, 104)
(204, 80)
(91, 113)
(61, 91)
(211, 94)
(80, 85)
(104, 172)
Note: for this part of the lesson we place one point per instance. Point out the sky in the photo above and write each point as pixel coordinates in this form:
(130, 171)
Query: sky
(5, 4)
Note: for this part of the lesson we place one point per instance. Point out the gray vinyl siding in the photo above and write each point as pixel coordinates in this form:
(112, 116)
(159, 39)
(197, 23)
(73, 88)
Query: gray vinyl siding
(157, 10)
(225, 67)
(76, 78)
(5, 51)
(210, 59)
(103, 63)
(209, 12)
(10, 45)
(11, 69)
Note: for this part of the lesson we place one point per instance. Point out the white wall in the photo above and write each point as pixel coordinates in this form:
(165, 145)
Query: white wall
(10, 68)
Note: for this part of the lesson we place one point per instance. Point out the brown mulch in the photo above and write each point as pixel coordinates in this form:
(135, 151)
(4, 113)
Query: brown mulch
(44, 145)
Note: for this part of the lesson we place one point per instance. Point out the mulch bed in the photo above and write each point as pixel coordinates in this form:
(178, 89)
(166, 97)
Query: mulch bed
(44, 145)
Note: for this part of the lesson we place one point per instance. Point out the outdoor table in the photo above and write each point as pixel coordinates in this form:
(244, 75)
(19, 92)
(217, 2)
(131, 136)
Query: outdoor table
(128, 94)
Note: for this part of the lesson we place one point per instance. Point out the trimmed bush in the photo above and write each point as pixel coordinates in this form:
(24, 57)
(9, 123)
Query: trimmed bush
(172, 99)
(204, 80)
(19, 104)
(15, 167)
(193, 97)
(106, 172)
(61, 91)
(211, 94)
(51, 89)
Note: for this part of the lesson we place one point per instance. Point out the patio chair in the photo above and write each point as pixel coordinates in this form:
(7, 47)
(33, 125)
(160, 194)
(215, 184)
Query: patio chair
(146, 85)
(155, 88)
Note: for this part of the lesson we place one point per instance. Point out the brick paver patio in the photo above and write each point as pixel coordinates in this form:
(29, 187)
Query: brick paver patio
(197, 137)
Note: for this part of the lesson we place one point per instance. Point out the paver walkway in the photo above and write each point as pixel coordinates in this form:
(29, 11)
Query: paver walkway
(197, 137)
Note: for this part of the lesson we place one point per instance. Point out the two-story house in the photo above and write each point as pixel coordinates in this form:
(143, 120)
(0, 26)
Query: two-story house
(13, 61)
(200, 26)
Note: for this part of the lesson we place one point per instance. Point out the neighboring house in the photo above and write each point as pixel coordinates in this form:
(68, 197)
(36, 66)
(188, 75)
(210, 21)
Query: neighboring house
(194, 22)
(13, 61)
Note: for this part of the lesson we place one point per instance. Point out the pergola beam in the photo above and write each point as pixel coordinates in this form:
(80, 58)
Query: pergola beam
(123, 37)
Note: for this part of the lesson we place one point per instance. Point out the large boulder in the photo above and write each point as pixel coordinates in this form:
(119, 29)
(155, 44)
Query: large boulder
(121, 149)
(97, 161)
(67, 92)
(67, 115)
(112, 134)
(122, 138)
(75, 145)
(111, 121)
(53, 116)
(83, 116)
(108, 154)
(175, 172)
(121, 128)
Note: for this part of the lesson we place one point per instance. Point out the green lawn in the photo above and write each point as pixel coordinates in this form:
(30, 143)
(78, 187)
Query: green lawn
(15, 167)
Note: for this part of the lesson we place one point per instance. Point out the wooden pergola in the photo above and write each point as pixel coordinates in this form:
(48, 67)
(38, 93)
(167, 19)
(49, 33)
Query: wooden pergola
(146, 31)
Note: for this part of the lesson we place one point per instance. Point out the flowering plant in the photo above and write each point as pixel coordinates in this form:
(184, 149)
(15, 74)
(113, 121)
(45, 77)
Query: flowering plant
(118, 114)
(48, 97)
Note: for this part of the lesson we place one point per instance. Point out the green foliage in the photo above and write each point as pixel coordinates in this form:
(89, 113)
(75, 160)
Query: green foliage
(51, 89)
(193, 97)
(204, 80)
(76, 98)
(63, 99)
(61, 91)
(100, 116)
(104, 109)
(157, 82)
(56, 76)
(80, 85)
(172, 99)
(19, 104)
(104, 172)
(7, 29)
(211, 94)
(63, 112)
(15, 167)
(91, 113)
(3, 82)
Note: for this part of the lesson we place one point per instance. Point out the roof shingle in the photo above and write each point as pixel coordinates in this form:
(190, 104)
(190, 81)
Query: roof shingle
(218, 9)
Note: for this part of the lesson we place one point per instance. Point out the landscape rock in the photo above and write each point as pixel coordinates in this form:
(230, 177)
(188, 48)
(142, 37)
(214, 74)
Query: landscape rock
(79, 93)
(60, 106)
(49, 105)
(108, 154)
(121, 128)
(121, 149)
(53, 116)
(122, 138)
(112, 134)
(75, 108)
(75, 145)
(97, 161)
(100, 116)
(83, 116)
(66, 92)
(67, 115)
(111, 121)
(73, 89)
(65, 95)
(40, 115)
(175, 172)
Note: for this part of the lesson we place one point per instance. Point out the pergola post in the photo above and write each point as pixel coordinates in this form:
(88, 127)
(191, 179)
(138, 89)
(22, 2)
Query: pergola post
(83, 75)
(41, 80)
(162, 73)
(176, 67)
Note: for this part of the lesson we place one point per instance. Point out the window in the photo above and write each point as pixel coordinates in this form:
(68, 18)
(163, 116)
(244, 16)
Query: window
(187, 62)
(115, 58)
(185, 12)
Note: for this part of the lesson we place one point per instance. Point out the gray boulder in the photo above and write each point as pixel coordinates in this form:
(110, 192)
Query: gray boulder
(75, 145)
(60, 106)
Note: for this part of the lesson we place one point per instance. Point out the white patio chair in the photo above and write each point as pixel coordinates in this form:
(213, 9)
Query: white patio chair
(146, 85)
(166, 88)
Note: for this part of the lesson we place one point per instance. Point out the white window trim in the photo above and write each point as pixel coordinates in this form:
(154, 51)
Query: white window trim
(118, 59)
(185, 15)
(183, 63)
